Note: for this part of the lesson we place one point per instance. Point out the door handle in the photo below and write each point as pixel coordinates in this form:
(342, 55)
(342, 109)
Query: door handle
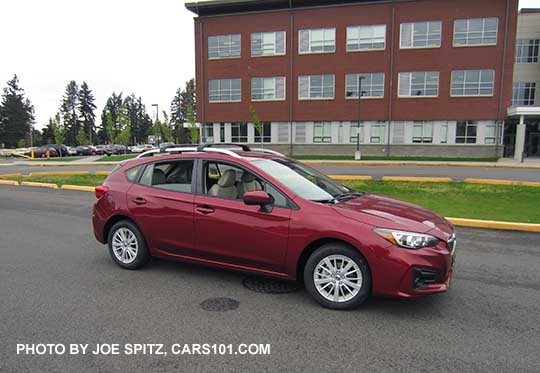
(139, 201)
(204, 209)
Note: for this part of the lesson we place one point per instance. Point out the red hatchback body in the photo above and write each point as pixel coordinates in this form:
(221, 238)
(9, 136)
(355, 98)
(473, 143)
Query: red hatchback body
(269, 215)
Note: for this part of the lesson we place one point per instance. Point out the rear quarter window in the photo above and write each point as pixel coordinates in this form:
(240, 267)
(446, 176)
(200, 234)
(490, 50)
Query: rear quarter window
(133, 173)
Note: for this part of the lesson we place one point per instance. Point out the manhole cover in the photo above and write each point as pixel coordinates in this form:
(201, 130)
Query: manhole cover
(220, 304)
(270, 286)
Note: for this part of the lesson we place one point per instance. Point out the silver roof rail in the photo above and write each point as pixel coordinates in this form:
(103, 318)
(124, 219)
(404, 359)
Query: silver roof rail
(222, 151)
(268, 151)
(147, 153)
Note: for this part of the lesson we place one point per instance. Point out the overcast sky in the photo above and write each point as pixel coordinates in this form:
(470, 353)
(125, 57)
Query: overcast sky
(140, 46)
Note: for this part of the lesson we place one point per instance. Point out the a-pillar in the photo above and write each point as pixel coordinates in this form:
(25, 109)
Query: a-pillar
(520, 139)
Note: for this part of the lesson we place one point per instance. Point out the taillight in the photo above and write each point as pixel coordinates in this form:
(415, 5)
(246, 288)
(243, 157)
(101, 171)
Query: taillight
(101, 191)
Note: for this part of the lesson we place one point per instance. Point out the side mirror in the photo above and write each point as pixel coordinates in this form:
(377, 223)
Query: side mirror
(259, 197)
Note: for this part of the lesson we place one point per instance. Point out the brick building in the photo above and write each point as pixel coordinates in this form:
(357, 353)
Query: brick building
(435, 75)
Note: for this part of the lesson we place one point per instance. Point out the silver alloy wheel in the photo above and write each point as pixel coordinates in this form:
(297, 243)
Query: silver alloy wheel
(125, 245)
(337, 278)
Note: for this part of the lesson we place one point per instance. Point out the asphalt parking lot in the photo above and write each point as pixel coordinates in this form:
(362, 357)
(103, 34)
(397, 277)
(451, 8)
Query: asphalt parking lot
(58, 285)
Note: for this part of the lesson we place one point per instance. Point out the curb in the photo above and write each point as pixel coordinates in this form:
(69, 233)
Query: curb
(102, 173)
(7, 176)
(68, 164)
(490, 224)
(8, 182)
(418, 179)
(502, 182)
(36, 184)
(79, 188)
(351, 177)
(52, 173)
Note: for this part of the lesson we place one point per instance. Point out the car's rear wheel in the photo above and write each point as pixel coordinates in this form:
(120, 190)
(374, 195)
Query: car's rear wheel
(337, 276)
(127, 245)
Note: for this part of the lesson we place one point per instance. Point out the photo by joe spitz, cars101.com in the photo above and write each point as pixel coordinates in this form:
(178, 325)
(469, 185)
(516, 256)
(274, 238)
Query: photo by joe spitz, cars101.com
(256, 210)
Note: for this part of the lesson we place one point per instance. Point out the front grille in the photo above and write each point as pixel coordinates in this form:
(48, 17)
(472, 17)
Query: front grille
(423, 277)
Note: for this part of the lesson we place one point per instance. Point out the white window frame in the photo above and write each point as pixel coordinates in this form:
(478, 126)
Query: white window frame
(356, 129)
(241, 137)
(467, 32)
(275, 53)
(424, 88)
(525, 45)
(367, 86)
(426, 130)
(326, 132)
(229, 36)
(220, 82)
(366, 40)
(413, 35)
(310, 77)
(527, 90)
(310, 40)
(376, 127)
(443, 134)
(470, 84)
(266, 135)
(274, 79)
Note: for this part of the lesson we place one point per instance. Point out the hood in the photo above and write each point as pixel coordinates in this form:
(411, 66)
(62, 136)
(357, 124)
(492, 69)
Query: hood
(385, 212)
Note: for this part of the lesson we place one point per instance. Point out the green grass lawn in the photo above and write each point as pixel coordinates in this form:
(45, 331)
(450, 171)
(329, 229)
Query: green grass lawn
(85, 180)
(383, 158)
(462, 200)
(116, 158)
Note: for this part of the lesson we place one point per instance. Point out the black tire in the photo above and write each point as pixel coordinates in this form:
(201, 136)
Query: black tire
(142, 255)
(334, 250)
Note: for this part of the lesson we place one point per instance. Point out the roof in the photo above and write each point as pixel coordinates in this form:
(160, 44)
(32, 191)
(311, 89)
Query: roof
(217, 7)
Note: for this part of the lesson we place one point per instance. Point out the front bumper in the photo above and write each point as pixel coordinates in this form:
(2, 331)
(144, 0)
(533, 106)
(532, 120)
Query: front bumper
(413, 273)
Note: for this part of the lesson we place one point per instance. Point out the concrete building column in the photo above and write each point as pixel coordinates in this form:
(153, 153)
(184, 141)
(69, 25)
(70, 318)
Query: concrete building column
(520, 139)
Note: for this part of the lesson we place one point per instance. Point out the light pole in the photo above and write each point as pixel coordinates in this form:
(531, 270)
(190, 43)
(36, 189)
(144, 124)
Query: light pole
(357, 154)
(157, 111)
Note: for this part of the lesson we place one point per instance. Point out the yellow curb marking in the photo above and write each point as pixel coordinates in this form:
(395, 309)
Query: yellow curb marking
(9, 182)
(502, 182)
(503, 225)
(351, 177)
(8, 176)
(53, 173)
(418, 179)
(79, 188)
(36, 184)
(103, 173)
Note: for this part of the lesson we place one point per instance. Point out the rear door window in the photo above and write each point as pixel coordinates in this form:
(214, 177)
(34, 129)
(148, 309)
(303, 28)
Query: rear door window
(176, 176)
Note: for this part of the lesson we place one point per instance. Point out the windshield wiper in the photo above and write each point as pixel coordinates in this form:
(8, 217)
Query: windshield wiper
(348, 195)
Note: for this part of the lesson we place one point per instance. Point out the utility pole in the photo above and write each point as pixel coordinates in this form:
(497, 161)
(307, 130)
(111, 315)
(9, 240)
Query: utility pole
(357, 154)
(157, 111)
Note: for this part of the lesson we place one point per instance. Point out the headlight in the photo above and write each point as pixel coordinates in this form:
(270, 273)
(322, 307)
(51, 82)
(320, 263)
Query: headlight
(407, 240)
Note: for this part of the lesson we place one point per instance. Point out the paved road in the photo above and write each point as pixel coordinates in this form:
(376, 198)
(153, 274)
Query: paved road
(458, 173)
(57, 285)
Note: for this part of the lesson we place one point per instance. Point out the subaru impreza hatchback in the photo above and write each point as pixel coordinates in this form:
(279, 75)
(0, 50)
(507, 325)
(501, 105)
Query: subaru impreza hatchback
(258, 211)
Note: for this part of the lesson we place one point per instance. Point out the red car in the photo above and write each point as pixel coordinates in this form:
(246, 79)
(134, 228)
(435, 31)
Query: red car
(260, 212)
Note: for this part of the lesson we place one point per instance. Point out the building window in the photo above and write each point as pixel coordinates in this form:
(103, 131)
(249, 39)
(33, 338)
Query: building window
(372, 85)
(316, 87)
(267, 132)
(419, 84)
(208, 132)
(321, 40)
(479, 31)
(356, 133)
(225, 90)
(239, 132)
(473, 82)
(224, 46)
(268, 89)
(527, 50)
(222, 132)
(523, 93)
(466, 132)
(491, 134)
(421, 35)
(422, 132)
(365, 38)
(377, 133)
(268, 43)
(322, 132)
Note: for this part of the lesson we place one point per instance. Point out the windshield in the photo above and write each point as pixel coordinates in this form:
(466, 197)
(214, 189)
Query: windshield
(301, 180)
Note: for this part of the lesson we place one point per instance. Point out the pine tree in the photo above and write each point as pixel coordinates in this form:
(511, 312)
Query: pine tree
(86, 112)
(139, 118)
(182, 101)
(48, 133)
(68, 110)
(109, 118)
(81, 137)
(16, 114)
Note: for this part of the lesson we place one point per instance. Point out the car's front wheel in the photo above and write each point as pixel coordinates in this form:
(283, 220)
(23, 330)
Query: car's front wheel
(127, 245)
(337, 276)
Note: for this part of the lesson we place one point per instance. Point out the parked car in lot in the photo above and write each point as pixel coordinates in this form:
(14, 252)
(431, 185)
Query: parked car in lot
(102, 150)
(41, 152)
(84, 150)
(71, 151)
(258, 211)
(142, 148)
